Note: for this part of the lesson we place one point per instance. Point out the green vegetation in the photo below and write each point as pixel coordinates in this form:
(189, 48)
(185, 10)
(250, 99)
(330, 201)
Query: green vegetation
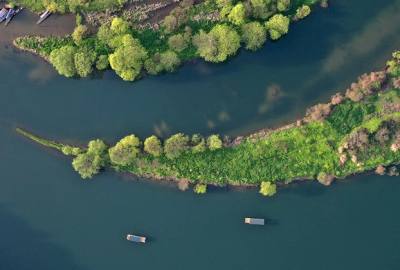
(213, 30)
(333, 140)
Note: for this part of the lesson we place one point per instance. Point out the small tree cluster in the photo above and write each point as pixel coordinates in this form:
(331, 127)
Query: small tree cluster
(125, 151)
(92, 161)
(393, 65)
(302, 12)
(366, 85)
(200, 188)
(277, 26)
(267, 188)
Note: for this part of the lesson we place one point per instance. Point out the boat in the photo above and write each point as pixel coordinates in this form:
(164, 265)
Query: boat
(43, 17)
(3, 14)
(10, 15)
(13, 14)
(135, 238)
(254, 221)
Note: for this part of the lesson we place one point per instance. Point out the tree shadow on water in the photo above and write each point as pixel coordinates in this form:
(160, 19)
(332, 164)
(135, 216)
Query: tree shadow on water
(24, 248)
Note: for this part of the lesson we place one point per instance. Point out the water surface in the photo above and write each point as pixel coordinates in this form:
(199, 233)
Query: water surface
(52, 219)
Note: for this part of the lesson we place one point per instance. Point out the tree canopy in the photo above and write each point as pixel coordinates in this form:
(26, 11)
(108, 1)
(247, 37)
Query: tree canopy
(277, 26)
(63, 60)
(253, 35)
(125, 151)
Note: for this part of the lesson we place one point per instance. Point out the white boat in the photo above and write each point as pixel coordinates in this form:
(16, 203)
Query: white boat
(136, 238)
(43, 17)
(254, 221)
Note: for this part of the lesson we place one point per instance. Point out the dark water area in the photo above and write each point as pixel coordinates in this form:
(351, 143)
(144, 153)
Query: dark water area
(50, 218)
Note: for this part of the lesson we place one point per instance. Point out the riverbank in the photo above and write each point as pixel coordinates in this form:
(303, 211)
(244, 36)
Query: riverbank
(355, 132)
(157, 38)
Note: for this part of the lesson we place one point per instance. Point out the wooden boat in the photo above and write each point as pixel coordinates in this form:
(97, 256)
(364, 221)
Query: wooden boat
(135, 238)
(3, 14)
(254, 221)
(12, 16)
(43, 17)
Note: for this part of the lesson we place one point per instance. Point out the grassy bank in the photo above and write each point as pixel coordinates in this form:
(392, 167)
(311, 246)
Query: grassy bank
(355, 132)
(143, 40)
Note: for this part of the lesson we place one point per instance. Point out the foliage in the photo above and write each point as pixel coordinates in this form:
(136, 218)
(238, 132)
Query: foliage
(177, 42)
(63, 60)
(253, 35)
(200, 188)
(277, 26)
(89, 163)
(79, 34)
(214, 142)
(125, 151)
(237, 15)
(102, 62)
(302, 12)
(169, 61)
(84, 62)
(152, 145)
(267, 188)
(393, 65)
(222, 41)
(127, 60)
(176, 145)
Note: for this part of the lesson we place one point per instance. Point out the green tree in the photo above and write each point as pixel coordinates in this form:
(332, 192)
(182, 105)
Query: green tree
(277, 26)
(253, 35)
(92, 161)
(84, 63)
(302, 12)
(199, 143)
(283, 5)
(222, 41)
(176, 145)
(119, 26)
(127, 60)
(267, 189)
(70, 150)
(153, 65)
(63, 60)
(152, 145)
(177, 42)
(393, 65)
(102, 62)
(169, 61)
(200, 188)
(170, 23)
(125, 151)
(79, 34)
(214, 142)
(238, 14)
(260, 8)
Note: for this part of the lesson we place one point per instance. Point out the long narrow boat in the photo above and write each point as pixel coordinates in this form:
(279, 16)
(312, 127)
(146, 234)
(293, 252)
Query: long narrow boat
(10, 15)
(8, 20)
(135, 238)
(254, 221)
(3, 14)
(44, 16)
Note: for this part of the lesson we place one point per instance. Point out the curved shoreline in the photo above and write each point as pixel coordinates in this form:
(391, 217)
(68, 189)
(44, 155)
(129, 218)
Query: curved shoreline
(353, 133)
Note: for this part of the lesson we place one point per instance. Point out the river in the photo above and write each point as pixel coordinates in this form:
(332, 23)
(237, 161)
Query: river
(51, 219)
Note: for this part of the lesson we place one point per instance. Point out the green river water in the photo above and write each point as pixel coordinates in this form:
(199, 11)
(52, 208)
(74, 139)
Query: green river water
(51, 219)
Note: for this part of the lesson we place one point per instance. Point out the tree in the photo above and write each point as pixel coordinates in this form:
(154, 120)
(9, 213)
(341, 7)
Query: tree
(127, 60)
(125, 151)
(119, 26)
(153, 65)
(200, 188)
(152, 145)
(169, 60)
(70, 150)
(199, 144)
(177, 42)
(79, 34)
(283, 5)
(260, 8)
(277, 26)
(102, 62)
(90, 162)
(84, 62)
(267, 189)
(63, 60)
(253, 35)
(170, 23)
(222, 41)
(214, 142)
(104, 34)
(302, 12)
(237, 15)
(176, 145)
(393, 65)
